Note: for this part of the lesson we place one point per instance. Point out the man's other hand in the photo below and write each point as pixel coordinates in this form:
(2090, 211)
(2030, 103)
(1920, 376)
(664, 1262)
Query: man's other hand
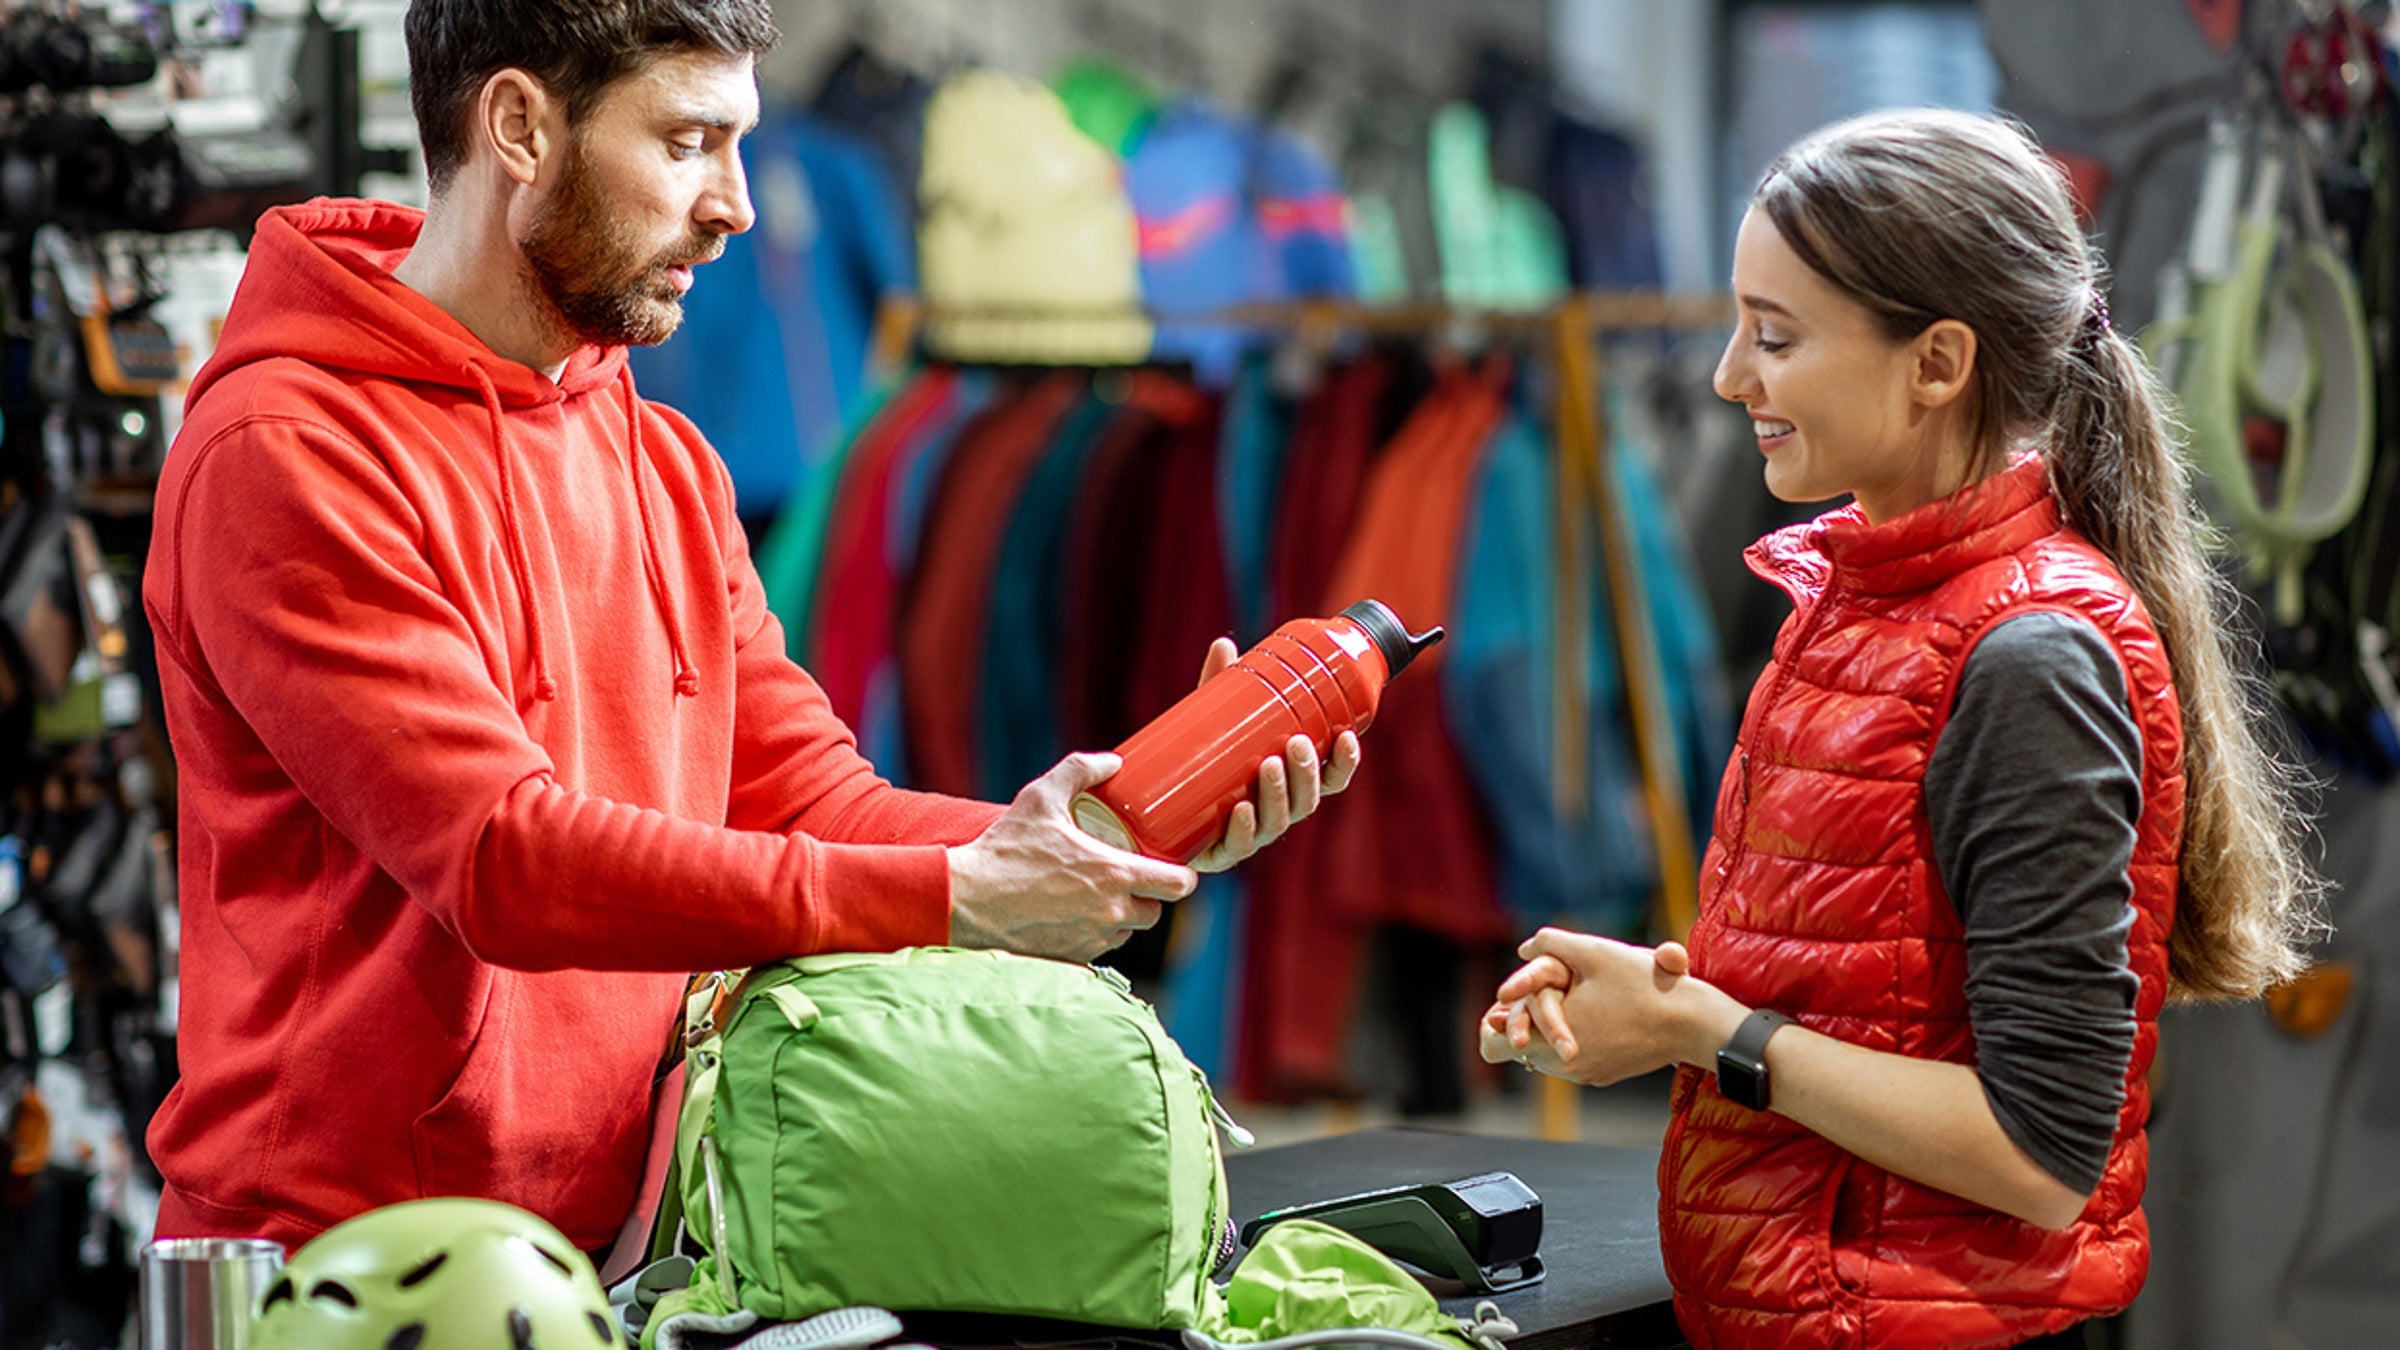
(1290, 786)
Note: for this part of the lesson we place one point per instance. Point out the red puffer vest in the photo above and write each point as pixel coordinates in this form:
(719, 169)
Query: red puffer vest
(1819, 899)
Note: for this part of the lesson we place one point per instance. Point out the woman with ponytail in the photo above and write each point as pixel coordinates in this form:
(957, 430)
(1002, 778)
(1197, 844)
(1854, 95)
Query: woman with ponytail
(1998, 797)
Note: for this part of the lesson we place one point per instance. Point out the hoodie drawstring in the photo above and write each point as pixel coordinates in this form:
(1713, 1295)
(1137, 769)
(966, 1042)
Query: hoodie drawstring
(687, 680)
(544, 688)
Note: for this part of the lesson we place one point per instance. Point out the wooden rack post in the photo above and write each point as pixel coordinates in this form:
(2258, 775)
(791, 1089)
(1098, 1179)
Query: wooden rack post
(1584, 474)
(1584, 450)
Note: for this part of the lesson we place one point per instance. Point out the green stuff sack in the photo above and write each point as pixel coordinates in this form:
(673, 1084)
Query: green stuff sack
(1306, 1284)
(953, 1131)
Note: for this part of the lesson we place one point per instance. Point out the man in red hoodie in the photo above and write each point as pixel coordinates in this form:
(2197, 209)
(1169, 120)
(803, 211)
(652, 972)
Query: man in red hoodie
(486, 735)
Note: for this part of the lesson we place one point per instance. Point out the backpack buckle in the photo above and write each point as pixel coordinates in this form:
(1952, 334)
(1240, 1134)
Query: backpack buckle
(703, 1019)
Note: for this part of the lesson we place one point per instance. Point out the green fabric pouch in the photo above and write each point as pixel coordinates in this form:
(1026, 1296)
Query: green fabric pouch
(1306, 1283)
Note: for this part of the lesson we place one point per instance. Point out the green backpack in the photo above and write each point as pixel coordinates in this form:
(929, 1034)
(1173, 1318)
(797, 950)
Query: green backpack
(942, 1130)
(887, 1129)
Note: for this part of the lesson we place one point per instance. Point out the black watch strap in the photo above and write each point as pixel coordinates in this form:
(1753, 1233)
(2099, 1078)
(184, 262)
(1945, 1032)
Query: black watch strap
(1742, 1064)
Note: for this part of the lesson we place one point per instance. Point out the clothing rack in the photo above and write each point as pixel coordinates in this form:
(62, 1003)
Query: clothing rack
(1569, 328)
(1582, 314)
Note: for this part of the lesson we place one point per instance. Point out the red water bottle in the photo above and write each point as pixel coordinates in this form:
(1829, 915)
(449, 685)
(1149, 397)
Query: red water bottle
(1185, 772)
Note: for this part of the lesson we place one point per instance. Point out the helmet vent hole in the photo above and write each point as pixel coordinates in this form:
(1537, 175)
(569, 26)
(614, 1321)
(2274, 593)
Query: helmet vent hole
(334, 1290)
(520, 1330)
(281, 1293)
(407, 1338)
(418, 1276)
(555, 1259)
(601, 1329)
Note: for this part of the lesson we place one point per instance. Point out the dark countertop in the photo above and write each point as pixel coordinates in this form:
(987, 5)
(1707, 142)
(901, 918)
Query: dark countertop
(1606, 1285)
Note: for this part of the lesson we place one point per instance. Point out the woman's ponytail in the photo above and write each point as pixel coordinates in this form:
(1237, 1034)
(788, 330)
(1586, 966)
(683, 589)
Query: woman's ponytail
(2248, 902)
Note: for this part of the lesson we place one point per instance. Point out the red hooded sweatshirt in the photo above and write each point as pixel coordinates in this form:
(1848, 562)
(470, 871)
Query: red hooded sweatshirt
(485, 738)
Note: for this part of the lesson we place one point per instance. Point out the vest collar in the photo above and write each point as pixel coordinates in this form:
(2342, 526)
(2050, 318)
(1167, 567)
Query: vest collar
(1985, 520)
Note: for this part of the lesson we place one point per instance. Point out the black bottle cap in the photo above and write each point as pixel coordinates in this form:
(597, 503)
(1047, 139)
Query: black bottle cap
(1391, 637)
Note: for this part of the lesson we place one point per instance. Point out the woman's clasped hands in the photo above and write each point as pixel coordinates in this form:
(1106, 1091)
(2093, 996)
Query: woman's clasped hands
(1598, 1011)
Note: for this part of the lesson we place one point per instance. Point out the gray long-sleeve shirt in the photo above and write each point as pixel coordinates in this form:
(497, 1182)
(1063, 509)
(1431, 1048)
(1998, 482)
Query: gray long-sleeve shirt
(2033, 792)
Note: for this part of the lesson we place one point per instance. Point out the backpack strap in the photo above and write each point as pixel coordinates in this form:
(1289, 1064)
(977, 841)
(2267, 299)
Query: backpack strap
(706, 1010)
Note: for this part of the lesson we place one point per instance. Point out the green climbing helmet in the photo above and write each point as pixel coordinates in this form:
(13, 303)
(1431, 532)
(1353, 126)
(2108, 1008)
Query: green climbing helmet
(452, 1274)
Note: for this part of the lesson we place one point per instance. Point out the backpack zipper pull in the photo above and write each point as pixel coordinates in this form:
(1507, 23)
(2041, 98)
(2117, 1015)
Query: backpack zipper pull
(1489, 1327)
(1216, 1110)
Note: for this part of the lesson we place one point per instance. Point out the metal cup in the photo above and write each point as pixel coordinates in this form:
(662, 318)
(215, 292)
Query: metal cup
(198, 1293)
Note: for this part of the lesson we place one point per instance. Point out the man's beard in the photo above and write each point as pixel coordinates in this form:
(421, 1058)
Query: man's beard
(587, 264)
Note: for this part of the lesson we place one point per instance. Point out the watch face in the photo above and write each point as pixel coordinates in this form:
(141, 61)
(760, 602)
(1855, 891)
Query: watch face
(1743, 1081)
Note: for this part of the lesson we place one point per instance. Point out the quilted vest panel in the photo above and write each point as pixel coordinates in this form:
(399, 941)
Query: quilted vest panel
(1819, 899)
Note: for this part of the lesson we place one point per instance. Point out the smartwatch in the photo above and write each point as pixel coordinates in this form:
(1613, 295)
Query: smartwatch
(1742, 1064)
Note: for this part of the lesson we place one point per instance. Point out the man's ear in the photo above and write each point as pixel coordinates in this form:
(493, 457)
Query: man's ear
(516, 119)
(1943, 363)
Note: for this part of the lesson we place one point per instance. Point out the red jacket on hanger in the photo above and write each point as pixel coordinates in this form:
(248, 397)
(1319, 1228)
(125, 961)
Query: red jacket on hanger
(857, 591)
(942, 616)
(1407, 843)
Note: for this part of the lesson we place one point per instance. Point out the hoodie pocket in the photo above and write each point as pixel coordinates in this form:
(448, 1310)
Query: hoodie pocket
(453, 1139)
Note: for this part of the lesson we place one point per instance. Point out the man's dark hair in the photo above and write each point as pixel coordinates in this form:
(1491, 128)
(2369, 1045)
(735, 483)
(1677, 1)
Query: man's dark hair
(576, 48)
